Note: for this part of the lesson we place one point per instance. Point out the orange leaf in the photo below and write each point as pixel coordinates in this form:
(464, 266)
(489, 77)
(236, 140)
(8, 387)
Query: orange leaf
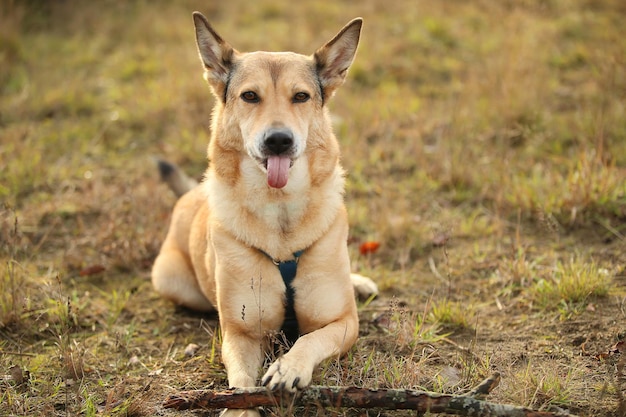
(369, 247)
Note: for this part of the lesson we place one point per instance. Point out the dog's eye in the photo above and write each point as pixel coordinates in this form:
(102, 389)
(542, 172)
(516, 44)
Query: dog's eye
(301, 97)
(250, 97)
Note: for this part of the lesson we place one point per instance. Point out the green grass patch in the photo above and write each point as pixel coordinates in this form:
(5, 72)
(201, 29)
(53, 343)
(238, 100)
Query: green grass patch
(571, 284)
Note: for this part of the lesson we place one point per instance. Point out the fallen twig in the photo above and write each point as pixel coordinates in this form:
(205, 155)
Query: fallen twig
(484, 388)
(394, 399)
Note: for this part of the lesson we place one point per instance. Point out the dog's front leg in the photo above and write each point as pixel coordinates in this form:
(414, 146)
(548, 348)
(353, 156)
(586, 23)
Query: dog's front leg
(242, 356)
(247, 310)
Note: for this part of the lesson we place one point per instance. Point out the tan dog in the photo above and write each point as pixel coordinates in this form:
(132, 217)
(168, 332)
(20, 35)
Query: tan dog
(274, 188)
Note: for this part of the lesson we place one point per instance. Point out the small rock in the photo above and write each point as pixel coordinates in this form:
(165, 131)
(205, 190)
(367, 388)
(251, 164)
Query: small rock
(191, 350)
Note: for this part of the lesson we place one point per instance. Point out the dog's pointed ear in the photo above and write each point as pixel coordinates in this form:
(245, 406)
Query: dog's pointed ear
(215, 53)
(334, 58)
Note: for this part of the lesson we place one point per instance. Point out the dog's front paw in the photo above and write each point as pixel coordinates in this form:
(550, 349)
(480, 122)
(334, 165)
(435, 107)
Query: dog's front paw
(287, 374)
(233, 412)
(363, 286)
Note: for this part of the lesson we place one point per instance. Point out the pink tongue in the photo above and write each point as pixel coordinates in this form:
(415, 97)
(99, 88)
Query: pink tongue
(278, 171)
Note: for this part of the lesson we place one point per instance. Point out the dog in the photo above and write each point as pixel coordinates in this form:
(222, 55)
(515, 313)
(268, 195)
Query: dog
(271, 201)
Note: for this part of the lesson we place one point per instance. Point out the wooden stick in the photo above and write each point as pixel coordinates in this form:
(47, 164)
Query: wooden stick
(484, 388)
(394, 399)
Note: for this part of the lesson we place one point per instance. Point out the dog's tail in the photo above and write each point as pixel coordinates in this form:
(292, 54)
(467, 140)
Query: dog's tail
(175, 178)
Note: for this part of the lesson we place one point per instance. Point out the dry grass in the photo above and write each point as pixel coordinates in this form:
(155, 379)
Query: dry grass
(485, 145)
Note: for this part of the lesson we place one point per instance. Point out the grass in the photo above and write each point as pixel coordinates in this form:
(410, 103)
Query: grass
(574, 282)
(484, 145)
(541, 388)
(452, 314)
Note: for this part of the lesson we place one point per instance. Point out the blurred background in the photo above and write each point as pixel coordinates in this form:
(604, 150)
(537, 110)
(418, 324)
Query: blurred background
(485, 145)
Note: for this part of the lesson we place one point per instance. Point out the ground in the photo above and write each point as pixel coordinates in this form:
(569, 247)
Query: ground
(485, 146)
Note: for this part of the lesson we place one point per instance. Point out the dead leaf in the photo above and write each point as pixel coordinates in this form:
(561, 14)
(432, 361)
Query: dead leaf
(616, 349)
(17, 375)
(619, 347)
(451, 376)
(92, 270)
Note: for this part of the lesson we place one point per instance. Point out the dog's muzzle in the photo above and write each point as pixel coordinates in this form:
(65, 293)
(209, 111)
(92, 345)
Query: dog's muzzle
(278, 147)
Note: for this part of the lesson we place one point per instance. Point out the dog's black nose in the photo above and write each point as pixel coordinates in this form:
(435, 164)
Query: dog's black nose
(278, 142)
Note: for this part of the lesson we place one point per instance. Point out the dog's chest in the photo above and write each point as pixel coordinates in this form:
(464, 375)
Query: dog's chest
(280, 216)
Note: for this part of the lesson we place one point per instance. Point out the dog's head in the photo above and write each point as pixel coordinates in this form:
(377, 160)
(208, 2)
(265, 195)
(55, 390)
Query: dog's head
(275, 100)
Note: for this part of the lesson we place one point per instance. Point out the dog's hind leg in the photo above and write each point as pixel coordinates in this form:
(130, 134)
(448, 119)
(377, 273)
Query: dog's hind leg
(364, 287)
(173, 278)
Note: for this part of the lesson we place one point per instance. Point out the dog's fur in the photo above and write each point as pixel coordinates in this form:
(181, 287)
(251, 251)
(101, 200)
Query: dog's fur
(274, 186)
